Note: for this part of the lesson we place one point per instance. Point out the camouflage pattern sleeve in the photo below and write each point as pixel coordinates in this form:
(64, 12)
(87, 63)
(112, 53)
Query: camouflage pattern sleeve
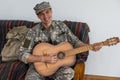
(27, 45)
(74, 40)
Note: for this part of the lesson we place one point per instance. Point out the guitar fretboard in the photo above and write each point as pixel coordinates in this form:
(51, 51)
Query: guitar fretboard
(82, 49)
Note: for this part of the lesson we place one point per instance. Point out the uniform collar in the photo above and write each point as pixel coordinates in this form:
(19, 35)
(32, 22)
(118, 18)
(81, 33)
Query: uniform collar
(51, 26)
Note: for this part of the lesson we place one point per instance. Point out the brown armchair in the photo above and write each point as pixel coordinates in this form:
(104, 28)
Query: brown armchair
(16, 70)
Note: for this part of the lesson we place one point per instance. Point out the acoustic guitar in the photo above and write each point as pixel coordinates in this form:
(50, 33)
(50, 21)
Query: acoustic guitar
(65, 54)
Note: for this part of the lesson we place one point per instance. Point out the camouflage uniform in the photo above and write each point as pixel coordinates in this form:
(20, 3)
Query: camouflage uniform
(58, 32)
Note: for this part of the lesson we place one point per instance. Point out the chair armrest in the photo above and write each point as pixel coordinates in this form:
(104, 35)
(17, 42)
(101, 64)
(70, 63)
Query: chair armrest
(79, 71)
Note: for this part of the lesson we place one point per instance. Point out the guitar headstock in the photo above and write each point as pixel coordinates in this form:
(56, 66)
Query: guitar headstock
(111, 41)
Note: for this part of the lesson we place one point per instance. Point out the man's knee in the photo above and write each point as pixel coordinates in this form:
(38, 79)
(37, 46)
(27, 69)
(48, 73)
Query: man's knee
(69, 73)
(65, 73)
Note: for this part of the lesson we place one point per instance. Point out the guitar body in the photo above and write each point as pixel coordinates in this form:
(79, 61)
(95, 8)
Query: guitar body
(43, 49)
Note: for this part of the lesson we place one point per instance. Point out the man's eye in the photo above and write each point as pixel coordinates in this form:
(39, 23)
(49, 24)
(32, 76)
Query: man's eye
(41, 14)
(47, 12)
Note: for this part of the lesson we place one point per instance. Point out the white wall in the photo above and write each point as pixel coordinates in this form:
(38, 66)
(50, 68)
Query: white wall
(102, 16)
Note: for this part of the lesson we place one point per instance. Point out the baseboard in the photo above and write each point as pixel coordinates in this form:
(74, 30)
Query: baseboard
(97, 77)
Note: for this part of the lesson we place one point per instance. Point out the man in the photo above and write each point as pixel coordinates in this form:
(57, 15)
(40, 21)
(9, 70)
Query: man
(49, 31)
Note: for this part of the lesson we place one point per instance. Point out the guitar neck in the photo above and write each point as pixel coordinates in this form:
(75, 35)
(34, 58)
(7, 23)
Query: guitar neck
(81, 49)
(108, 42)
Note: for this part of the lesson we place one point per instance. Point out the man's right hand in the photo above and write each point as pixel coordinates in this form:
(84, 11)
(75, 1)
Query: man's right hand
(49, 59)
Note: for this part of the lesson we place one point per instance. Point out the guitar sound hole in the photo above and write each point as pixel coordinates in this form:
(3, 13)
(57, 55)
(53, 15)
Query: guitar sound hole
(61, 55)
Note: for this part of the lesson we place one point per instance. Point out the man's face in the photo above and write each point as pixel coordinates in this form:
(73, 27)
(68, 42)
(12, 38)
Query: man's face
(46, 17)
